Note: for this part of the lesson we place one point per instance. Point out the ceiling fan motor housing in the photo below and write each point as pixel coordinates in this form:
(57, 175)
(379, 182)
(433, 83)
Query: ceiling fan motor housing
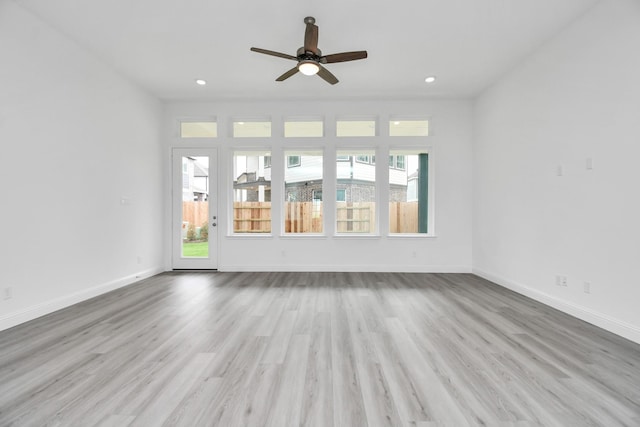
(303, 55)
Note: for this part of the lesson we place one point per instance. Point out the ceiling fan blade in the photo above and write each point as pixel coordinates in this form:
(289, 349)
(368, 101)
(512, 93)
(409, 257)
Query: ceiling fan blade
(311, 38)
(272, 53)
(288, 74)
(326, 75)
(343, 57)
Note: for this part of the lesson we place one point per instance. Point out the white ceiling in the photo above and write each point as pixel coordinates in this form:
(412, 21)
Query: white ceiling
(164, 45)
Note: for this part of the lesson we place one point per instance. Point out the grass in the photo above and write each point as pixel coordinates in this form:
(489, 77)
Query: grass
(195, 249)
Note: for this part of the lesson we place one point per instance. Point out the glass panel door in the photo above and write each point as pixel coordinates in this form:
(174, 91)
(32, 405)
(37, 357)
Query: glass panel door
(194, 209)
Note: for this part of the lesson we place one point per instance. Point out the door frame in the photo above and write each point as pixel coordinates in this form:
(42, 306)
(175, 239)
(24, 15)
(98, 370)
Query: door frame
(179, 262)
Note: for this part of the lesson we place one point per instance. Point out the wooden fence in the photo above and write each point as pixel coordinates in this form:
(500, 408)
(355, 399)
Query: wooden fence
(252, 217)
(306, 217)
(403, 217)
(303, 217)
(196, 213)
(356, 217)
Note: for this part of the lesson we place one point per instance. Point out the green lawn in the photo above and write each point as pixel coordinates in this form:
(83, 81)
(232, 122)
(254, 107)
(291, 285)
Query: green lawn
(197, 249)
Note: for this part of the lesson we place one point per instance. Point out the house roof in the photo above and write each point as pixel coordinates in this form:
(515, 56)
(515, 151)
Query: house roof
(199, 170)
(165, 45)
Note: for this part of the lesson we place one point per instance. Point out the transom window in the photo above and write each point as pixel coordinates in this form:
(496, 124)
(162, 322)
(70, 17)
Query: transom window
(409, 128)
(251, 129)
(198, 129)
(303, 129)
(355, 128)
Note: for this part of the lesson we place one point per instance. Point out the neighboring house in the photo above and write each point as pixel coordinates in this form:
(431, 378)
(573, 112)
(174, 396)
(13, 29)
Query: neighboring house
(195, 182)
(412, 187)
(253, 184)
(355, 178)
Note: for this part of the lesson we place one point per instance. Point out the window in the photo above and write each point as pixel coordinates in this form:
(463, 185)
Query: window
(267, 161)
(409, 192)
(251, 192)
(303, 204)
(356, 192)
(355, 128)
(293, 161)
(198, 129)
(186, 184)
(251, 129)
(303, 129)
(195, 207)
(409, 128)
(397, 162)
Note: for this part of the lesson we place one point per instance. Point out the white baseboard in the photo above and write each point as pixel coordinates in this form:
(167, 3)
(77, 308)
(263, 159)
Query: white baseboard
(616, 326)
(21, 316)
(349, 268)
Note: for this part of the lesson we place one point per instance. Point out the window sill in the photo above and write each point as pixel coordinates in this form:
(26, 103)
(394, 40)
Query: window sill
(356, 236)
(250, 236)
(411, 236)
(303, 236)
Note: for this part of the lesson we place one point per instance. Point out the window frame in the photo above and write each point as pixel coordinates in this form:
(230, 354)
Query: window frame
(357, 154)
(431, 219)
(244, 151)
(300, 152)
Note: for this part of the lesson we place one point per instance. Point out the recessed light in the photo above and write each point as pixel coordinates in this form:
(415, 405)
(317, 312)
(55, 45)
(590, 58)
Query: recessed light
(430, 79)
(201, 82)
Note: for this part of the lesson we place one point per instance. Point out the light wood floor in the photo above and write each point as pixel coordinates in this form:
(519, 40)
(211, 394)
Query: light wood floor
(321, 349)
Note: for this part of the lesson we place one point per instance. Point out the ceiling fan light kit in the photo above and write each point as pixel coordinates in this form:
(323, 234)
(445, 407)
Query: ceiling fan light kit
(308, 68)
(310, 58)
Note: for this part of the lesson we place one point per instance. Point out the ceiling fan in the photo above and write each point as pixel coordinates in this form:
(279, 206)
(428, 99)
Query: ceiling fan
(310, 58)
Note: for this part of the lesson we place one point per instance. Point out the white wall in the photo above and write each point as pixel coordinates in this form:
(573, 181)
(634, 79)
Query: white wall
(450, 148)
(577, 98)
(75, 139)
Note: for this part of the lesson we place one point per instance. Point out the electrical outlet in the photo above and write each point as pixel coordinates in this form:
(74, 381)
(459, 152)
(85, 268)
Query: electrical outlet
(564, 280)
(8, 293)
(587, 287)
(561, 280)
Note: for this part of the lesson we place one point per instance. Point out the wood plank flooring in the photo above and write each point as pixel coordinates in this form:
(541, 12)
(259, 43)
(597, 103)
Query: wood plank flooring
(315, 349)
